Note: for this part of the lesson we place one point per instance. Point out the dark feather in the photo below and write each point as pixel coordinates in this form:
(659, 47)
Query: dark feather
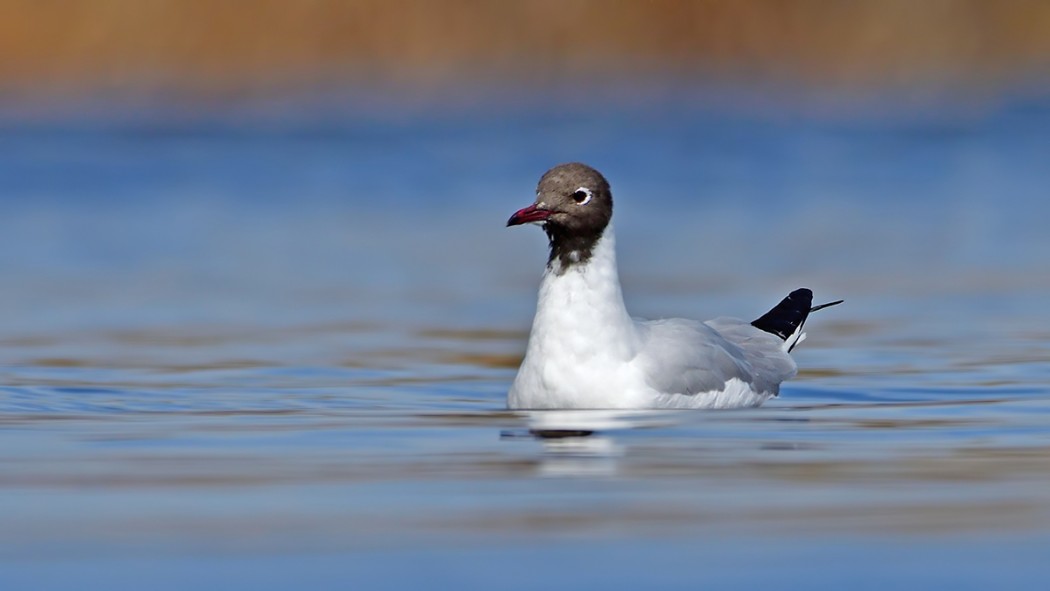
(788, 317)
(785, 318)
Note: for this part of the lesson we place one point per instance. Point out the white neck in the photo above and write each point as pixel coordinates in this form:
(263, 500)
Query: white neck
(581, 307)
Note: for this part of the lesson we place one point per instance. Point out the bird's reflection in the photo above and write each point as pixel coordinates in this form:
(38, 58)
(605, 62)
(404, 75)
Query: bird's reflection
(583, 442)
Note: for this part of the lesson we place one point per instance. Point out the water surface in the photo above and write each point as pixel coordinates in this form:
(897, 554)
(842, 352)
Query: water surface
(272, 350)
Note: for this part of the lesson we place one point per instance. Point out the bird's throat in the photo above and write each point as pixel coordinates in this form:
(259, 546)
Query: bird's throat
(569, 249)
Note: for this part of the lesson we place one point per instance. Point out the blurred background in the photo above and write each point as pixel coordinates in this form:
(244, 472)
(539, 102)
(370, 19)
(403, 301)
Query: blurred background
(185, 49)
(260, 310)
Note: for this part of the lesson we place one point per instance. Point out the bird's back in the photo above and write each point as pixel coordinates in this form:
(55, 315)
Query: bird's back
(720, 363)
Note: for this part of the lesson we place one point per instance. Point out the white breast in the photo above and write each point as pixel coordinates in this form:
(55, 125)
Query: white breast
(582, 340)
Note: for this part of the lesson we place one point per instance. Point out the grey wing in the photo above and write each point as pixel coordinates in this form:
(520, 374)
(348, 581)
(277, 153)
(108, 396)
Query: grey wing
(687, 357)
(765, 354)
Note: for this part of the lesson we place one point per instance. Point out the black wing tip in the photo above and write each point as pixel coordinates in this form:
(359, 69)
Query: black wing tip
(827, 305)
(785, 318)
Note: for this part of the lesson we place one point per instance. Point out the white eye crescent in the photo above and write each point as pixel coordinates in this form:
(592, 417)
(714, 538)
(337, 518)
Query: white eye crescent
(582, 196)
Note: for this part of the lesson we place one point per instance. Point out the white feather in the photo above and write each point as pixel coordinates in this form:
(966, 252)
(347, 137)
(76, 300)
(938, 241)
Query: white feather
(794, 339)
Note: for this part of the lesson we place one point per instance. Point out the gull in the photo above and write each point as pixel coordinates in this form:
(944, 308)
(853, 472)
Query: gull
(586, 352)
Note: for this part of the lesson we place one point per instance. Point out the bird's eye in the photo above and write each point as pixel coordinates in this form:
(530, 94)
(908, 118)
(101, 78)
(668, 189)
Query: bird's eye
(582, 196)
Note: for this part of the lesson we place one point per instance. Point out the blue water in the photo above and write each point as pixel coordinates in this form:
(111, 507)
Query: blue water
(270, 349)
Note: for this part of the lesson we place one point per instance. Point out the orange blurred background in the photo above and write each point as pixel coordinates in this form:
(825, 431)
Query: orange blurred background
(224, 48)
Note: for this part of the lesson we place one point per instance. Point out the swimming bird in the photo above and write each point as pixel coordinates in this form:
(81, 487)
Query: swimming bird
(586, 352)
